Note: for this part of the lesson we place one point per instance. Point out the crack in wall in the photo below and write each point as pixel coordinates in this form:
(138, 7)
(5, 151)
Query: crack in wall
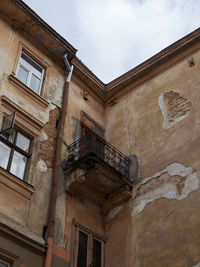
(130, 142)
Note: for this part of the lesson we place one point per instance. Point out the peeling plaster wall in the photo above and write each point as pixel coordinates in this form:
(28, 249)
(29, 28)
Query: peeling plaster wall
(159, 226)
(159, 122)
(196, 265)
(165, 212)
(54, 78)
(138, 119)
(33, 215)
(174, 182)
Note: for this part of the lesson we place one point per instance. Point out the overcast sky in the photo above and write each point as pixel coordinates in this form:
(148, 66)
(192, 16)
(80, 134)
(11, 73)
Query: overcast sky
(113, 36)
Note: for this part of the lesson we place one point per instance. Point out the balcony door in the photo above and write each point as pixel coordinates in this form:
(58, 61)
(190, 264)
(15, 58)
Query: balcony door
(89, 249)
(94, 137)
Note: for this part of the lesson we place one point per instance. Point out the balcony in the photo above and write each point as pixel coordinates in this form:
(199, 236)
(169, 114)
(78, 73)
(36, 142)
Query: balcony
(98, 171)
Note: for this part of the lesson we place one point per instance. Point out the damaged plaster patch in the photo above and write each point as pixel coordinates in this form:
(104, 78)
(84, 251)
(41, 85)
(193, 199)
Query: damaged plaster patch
(113, 213)
(41, 166)
(196, 265)
(174, 182)
(78, 174)
(51, 106)
(43, 136)
(76, 128)
(174, 108)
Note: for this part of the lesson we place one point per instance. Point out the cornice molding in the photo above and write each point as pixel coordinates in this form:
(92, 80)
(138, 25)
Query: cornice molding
(27, 10)
(23, 119)
(26, 237)
(163, 60)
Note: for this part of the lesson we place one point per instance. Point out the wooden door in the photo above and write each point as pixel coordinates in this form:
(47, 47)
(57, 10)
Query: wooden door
(92, 143)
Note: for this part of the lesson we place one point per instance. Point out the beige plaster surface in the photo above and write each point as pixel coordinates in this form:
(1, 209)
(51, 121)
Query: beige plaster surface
(30, 212)
(137, 119)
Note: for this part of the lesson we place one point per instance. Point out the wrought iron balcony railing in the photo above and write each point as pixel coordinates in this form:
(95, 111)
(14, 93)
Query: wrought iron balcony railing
(92, 143)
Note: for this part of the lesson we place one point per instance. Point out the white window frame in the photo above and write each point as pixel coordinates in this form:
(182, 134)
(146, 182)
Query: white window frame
(6, 263)
(30, 72)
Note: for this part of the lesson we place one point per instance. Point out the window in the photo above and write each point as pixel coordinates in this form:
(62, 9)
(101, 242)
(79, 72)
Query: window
(30, 73)
(89, 249)
(14, 152)
(4, 264)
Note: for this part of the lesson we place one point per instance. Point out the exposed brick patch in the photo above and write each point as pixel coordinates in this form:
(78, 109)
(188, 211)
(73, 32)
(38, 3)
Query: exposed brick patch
(47, 147)
(174, 108)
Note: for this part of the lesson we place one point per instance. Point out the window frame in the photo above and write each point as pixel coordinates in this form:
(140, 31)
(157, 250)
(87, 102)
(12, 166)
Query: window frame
(30, 72)
(87, 121)
(5, 263)
(91, 235)
(13, 147)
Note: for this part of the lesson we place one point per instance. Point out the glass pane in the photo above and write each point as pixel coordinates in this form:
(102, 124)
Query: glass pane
(98, 130)
(99, 147)
(31, 65)
(23, 142)
(96, 253)
(4, 155)
(9, 135)
(35, 84)
(22, 74)
(18, 165)
(82, 250)
(3, 264)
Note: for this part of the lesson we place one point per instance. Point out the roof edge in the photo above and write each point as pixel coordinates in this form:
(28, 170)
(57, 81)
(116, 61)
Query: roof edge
(154, 59)
(139, 71)
(82, 67)
(26, 9)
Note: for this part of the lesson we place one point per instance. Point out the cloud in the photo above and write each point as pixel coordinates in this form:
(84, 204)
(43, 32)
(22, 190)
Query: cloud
(113, 36)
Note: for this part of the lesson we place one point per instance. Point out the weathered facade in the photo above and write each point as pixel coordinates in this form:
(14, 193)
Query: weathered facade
(96, 174)
(28, 49)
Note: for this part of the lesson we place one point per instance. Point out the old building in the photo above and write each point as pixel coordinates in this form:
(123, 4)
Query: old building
(32, 76)
(95, 174)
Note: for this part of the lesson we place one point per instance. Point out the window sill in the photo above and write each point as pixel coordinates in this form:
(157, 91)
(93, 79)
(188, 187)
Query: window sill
(16, 184)
(27, 91)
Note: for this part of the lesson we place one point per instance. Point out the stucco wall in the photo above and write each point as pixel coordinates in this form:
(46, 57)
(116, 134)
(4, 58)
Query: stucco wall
(137, 118)
(159, 122)
(39, 114)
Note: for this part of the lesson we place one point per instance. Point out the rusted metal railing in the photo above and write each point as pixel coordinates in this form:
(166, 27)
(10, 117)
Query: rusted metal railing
(92, 143)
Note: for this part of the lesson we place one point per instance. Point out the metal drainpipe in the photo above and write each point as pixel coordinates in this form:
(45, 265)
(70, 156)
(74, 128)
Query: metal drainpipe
(55, 178)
